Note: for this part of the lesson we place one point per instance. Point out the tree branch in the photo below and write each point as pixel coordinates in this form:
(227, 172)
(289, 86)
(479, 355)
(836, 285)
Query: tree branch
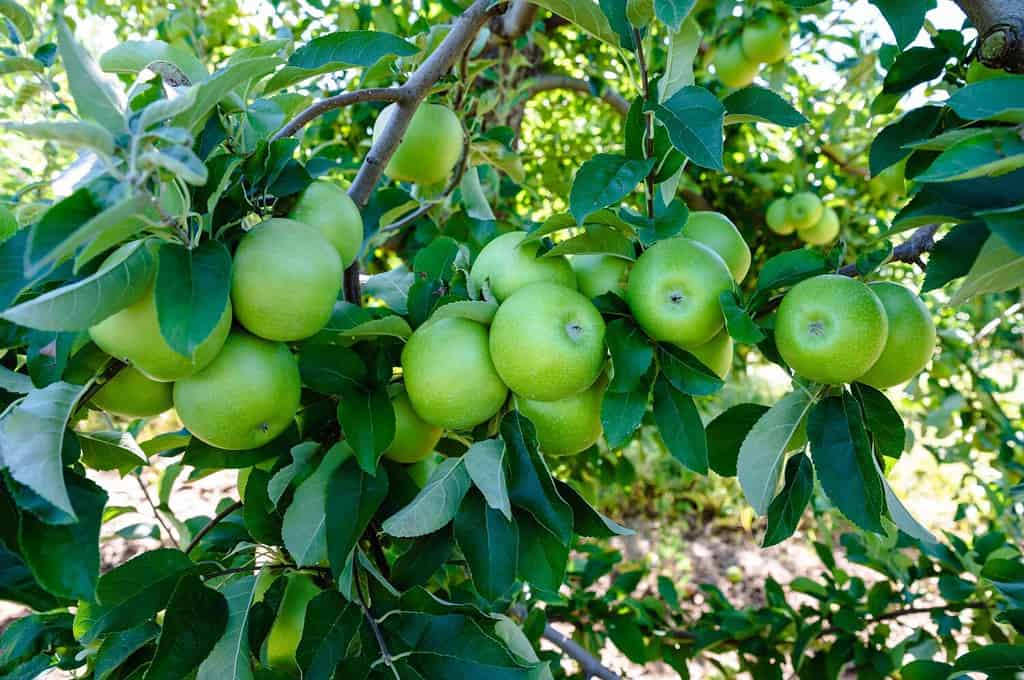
(1000, 25)
(217, 519)
(845, 165)
(591, 667)
(920, 242)
(305, 117)
(516, 21)
(548, 82)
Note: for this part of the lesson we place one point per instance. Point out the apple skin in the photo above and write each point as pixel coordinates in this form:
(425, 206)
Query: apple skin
(777, 217)
(600, 274)
(911, 340)
(569, 425)
(286, 631)
(673, 292)
(505, 266)
(449, 375)
(766, 39)
(831, 329)
(132, 395)
(822, 232)
(716, 354)
(414, 439)
(547, 342)
(718, 232)
(804, 210)
(430, 147)
(327, 207)
(732, 66)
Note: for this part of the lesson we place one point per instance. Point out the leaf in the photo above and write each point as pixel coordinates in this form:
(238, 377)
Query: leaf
(680, 426)
(914, 66)
(988, 99)
(760, 105)
(475, 310)
(391, 287)
(95, 97)
(586, 15)
(350, 48)
(622, 412)
(348, 324)
(19, 18)
(304, 529)
(473, 197)
(996, 269)
(368, 420)
(738, 323)
(683, 46)
(435, 505)
(787, 508)
(631, 353)
(330, 369)
(900, 515)
(191, 293)
(993, 658)
(487, 539)
(353, 497)
(725, 434)
(211, 91)
(844, 461)
(672, 12)
(31, 436)
(694, 118)
(73, 578)
(134, 56)
(530, 484)
(10, 65)
(905, 17)
(686, 373)
(176, 161)
(82, 304)
(595, 239)
(229, 658)
(15, 383)
(118, 648)
(113, 450)
(196, 618)
(59, 223)
(542, 556)
(882, 420)
(82, 134)
(330, 625)
(763, 452)
(485, 463)
(588, 521)
(999, 152)
(605, 180)
(954, 254)
(1006, 222)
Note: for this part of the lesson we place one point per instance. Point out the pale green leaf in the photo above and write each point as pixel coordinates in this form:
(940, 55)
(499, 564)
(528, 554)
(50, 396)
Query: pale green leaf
(997, 268)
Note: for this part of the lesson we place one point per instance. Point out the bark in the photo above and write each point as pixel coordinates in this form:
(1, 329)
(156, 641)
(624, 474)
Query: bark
(1000, 25)
(548, 82)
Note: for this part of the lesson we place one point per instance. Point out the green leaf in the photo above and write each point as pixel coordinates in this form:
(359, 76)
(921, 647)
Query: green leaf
(331, 624)
(17, 584)
(176, 161)
(196, 618)
(485, 463)
(368, 420)
(924, 669)
(989, 99)
(683, 47)
(73, 578)
(1006, 222)
(686, 373)
(118, 648)
(673, 12)
(353, 497)
(738, 323)
(789, 268)
(905, 17)
(76, 134)
(473, 197)
(954, 254)
(787, 508)
(760, 105)
(475, 310)
(993, 658)
(59, 224)
(882, 420)
(9, 65)
(999, 152)
(694, 118)
(605, 180)
(203, 456)
(680, 426)
(726, 434)
(542, 556)
(631, 352)
(230, 657)
(622, 412)
(305, 522)
(95, 97)
(585, 14)
(763, 452)
(82, 304)
(15, 383)
(112, 450)
(350, 324)
(916, 65)
(191, 293)
(844, 461)
(487, 539)
(211, 91)
(19, 17)
(391, 287)
(349, 48)
(997, 268)
(531, 486)
(177, 65)
(31, 437)
(1007, 576)
(435, 505)
(901, 517)
(330, 369)
(595, 239)
(587, 520)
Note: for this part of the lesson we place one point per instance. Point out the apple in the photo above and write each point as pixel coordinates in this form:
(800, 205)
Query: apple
(766, 39)
(718, 232)
(804, 210)
(328, 208)
(716, 353)
(822, 232)
(568, 425)
(430, 147)
(132, 395)
(911, 340)
(414, 439)
(777, 217)
(505, 265)
(598, 274)
(733, 67)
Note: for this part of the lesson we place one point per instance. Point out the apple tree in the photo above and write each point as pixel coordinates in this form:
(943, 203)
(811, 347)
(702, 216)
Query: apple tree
(327, 246)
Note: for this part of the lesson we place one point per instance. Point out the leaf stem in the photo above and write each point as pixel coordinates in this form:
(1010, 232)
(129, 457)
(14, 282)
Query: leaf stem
(217, 519)
(645, 83)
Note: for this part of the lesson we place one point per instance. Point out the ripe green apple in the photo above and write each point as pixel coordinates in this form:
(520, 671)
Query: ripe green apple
(449, 375)
(824, 231)
(716, 353)
(733, 67)
(327, 207)
(547, 342)
(766, 39)
(286, 631)
(911, 340)
(717, 232)
(245, 398)
(831, 329)
(891, 181)
(673, 292)
(598, 274)
(430, 147)
(133, 335)
(804, 210)
(414, 439)
(506, 266)
(569, 425)
(777, 217)
(132, 395)
(285, 281)
(422, 470)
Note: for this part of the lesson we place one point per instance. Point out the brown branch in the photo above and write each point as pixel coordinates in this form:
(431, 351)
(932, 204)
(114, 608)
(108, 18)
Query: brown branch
(845, 165)
(217, 519)
(1000, 25)
(156, 511)
(588, 663)
(314, 111)
(548, 82)
(516, 21)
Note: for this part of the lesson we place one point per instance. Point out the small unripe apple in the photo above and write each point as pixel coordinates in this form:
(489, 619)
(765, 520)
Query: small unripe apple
(777, 217)
(822, 232)
(733, 67)
(804, 210)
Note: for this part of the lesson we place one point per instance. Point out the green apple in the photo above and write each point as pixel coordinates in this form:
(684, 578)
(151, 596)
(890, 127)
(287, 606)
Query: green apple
(673, 292)
(430, 147)
(777, 217)
(911, 339)
(716, 353)
(133, 335)
(505, 265)
(245, 398)
(569, 425)
(132, 395)
(733, 67)
(414, 439)
(822, 232)
(449, 375)
(598, 274)
(766, 39)
(547, 342)
(717, 232)
(891, 181)
(327, 207)
(285, 281)
(286, 631)
(804, 210)
(830, 329)
(421, 471)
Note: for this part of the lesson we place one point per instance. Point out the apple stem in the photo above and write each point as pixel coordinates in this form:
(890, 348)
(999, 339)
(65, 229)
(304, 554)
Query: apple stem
(645, 83)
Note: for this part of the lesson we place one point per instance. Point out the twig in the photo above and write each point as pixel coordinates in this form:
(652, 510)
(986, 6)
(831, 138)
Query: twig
(156, 512)
(375, 627)
(111, 369)
(845, 165)
(589, 665)
(553, 81)
(217, 519)
(900, 613)
(313, 111)
(649, 117)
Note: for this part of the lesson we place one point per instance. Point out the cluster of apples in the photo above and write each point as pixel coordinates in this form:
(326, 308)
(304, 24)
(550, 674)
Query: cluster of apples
(763, 40)
(803, 213)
